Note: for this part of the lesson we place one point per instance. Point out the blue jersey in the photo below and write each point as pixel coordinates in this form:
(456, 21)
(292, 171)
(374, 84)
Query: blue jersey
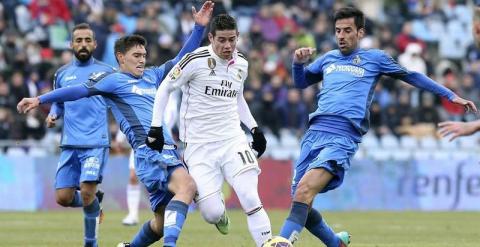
(85, 120)
(130, 98)
(348, 86)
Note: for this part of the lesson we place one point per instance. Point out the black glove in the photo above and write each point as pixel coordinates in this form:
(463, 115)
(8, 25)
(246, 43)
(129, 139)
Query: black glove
(155, 138)
(259, 143)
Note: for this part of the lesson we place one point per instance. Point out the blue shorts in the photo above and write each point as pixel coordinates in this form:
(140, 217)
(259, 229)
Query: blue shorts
(154, 170)
(320, 149)
(78, 165)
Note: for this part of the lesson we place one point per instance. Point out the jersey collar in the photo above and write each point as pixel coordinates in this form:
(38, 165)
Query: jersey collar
(86, 63)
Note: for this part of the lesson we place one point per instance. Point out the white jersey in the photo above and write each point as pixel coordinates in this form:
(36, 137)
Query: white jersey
(210, 86)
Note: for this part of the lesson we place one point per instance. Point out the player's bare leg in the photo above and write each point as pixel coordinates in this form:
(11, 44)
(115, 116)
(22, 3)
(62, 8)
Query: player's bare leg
(314, 181)
(183, 186)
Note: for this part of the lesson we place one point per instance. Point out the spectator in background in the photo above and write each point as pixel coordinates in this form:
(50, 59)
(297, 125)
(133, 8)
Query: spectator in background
(293, 112)
(5, 123)
(406, 37)
(48, 12)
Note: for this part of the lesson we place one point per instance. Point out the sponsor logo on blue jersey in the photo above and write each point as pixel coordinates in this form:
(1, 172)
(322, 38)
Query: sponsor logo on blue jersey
(355, 70)
(143, 91)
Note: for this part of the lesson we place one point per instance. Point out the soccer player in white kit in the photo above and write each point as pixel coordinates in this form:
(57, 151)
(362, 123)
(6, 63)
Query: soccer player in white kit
(212, 79)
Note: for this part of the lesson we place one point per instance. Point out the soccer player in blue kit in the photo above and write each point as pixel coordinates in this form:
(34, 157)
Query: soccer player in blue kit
(349, 76)
(85, 139)
(130, 94)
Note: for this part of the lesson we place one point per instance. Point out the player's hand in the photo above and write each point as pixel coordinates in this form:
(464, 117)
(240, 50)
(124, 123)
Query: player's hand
(155, 138)
(456, 129)
(202, 17)
(259, 143)
(27, 104)
(50, 120)
(302, 55)
(469, 105)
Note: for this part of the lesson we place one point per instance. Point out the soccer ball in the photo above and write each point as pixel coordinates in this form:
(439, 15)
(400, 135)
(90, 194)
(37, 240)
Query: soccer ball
(277, 241)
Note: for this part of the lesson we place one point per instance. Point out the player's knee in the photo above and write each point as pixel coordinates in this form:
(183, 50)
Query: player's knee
(64, 199)
(213, 215)
(189, 187)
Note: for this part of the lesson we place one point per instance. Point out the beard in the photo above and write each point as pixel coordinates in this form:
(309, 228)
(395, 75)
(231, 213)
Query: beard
(83, 55)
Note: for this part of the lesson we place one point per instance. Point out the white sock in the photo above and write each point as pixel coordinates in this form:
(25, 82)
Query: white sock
(259, 226)
(133, 199)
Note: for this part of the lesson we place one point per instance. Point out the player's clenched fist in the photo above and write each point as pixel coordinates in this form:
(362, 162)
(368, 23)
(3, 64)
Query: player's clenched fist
(259, 143)
(303, 54)
(155, 139)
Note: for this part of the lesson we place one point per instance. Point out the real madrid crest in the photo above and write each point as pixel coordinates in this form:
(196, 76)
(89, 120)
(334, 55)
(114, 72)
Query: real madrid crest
(356, 60)
(211, 65)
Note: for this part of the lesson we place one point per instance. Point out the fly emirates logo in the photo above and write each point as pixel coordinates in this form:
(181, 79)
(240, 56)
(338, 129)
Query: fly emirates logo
(225, 90)
(356, 71)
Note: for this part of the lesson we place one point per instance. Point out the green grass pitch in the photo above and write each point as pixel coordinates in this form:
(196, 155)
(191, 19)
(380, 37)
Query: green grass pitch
(372, 229)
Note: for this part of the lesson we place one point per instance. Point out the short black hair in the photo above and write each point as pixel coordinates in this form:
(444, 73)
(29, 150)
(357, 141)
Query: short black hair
(348, 12)
(222, 22)
(82, 26)
(125, 43)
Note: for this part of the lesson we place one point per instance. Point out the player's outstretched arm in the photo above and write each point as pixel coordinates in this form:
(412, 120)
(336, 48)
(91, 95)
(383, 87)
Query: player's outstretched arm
(57, 95)
(455, 129)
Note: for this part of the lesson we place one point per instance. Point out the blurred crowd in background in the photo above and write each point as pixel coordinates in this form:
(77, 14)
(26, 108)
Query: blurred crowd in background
(428, 36)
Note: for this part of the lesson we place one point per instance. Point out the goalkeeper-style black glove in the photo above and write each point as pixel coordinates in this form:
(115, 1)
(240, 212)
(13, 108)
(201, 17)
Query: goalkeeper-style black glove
(259, 143)
(155, 138)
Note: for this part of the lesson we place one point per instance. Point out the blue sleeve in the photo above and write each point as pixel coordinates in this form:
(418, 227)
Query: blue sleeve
(390, 67)
(190, 45)
(64, 94)
(422, 81)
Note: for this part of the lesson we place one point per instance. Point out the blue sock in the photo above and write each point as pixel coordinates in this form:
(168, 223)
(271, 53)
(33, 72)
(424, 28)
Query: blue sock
(318, 227)
(295, 222)
(145, 236)
(175, 215)
(91, 212)
(77, 200)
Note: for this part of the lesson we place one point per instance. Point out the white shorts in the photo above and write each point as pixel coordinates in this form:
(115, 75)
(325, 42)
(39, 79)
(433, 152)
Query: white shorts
(209, 163)
(131, 160)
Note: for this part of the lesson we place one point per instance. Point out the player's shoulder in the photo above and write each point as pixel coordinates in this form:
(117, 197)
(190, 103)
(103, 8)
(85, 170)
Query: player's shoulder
(105, 66)
(106, 78)
(104, 75)
(242, 57)
(373, 52)
(62, 69)
(192, 57)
